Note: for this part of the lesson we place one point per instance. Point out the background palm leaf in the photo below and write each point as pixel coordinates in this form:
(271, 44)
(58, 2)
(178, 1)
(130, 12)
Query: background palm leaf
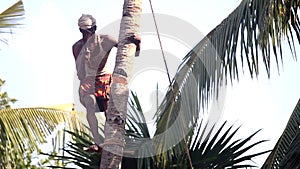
(74, 153)
(23, 130)
(11, 18)
(254, 30)
(224, 152)
(214, 151)
(291, 159)
(138, 137)
(286, 151)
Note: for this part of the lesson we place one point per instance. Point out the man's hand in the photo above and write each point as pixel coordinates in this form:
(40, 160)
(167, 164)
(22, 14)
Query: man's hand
(136, 39)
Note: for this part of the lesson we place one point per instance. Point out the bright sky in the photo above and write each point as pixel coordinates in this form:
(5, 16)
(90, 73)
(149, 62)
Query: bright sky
(39, 68)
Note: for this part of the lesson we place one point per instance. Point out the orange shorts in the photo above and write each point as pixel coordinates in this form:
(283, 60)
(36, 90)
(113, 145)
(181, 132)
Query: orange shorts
(98, 86)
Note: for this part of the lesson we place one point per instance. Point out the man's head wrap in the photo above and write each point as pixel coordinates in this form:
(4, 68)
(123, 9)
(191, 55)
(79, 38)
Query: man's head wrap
(86, 21)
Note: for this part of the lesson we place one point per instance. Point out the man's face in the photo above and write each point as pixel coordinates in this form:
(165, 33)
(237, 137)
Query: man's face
(89, 31)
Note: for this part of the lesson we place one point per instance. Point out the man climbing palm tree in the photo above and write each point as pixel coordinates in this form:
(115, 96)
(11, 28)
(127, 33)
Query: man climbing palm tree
(91, 54)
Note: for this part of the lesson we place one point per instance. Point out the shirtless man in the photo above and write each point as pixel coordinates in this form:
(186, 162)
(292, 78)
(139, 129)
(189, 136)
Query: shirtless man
(91, 54)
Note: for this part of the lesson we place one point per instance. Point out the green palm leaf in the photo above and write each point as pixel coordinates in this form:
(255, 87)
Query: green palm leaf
(22, 130)
(292, 156)
(286, 150)
(74, 152)
(219, 151)
(254, 30)
(138, 136)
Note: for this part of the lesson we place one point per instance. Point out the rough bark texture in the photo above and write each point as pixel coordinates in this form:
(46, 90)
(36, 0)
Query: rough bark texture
(117, 107)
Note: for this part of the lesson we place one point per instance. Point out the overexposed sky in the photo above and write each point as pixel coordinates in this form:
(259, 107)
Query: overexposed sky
(39, 68)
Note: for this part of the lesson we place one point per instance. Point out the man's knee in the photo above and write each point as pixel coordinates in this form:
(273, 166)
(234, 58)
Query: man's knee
(89, 101)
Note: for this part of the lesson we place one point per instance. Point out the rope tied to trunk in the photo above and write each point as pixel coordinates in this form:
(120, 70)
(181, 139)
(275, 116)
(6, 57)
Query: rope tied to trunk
(113, 141)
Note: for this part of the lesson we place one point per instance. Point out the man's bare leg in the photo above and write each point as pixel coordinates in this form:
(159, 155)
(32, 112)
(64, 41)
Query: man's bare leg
(90, 103)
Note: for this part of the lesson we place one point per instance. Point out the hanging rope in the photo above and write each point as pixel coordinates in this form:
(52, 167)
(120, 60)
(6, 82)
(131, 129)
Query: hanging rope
(160, 44)
(170, 83)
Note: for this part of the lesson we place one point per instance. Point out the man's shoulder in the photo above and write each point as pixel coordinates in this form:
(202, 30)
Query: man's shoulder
(78, 43)
(104, 35)
(107, 37)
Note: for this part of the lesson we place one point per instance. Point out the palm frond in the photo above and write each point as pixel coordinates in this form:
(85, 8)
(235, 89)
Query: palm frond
(74, 153)
(11, 17)
(220, 151)
(292, 156)
(254, 30)
(137, 137)
(24, 129)
(287, 143)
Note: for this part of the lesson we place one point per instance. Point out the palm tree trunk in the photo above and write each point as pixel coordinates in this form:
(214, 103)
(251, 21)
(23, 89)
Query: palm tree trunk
(117, 107)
